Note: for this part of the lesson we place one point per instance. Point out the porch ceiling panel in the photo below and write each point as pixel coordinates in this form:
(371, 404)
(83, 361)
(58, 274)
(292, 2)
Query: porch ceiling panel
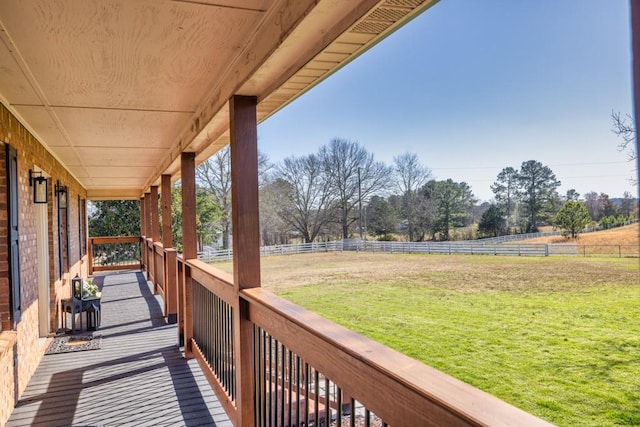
(69, 157)
(121, 157)
(115, 181)
(141, 54)
(117, 89)
(122, 172)
(91, 127)
(14, 85)
(40, 117)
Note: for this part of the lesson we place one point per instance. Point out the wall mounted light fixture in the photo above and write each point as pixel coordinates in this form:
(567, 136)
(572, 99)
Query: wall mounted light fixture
(40, 186)
(61, 194)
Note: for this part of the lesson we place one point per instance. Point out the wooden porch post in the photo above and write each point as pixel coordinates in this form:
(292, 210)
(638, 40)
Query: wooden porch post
(90, 256)
(189, 242)
(143, 232)
(154, 225)
(153, 213)
(170, 279)
(143, 218)
(147, 233)
(635, 42)
(147, 214)
(246, 242)
(167, 234)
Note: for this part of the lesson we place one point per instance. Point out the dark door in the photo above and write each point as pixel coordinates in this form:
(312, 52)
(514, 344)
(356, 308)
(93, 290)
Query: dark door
(14, 237)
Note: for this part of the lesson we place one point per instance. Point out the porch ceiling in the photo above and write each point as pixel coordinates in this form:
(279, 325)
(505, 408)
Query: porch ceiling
(117, 89)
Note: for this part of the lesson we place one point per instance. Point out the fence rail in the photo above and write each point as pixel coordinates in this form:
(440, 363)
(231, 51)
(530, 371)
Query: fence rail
(615, 251)
(449, 248)
(470, 247)
(212, 255)
(512, 237)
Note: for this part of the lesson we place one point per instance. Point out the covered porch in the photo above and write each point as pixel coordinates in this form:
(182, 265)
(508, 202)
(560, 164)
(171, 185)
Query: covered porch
(126, 98)
(138, 376)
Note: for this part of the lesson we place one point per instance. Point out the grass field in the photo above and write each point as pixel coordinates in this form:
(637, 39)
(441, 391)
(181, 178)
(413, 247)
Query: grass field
(628, 235)
(557, 337)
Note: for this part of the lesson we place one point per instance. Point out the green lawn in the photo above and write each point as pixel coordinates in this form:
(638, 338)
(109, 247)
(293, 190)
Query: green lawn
(557, 337)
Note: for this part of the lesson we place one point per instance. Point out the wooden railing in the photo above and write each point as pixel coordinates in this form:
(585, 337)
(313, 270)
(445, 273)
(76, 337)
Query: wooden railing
(306, 370)
(134, 252)
(114, 253)
(161, 265)
(291, 367)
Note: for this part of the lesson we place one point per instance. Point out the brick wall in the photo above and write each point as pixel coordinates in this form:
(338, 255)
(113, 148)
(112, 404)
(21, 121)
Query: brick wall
(7, 394)
(30, 154)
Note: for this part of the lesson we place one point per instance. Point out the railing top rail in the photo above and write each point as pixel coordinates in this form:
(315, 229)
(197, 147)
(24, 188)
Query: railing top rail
(413, 393)
(115, 239)
(212, 271)
(215, 280)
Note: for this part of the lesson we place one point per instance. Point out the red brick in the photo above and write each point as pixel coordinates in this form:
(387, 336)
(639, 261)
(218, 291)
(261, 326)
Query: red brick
(30, 154)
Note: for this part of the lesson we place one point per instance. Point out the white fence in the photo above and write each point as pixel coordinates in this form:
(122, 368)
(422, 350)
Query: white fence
(490, 246)
(512, 237)
(449, 248)
(209, 255)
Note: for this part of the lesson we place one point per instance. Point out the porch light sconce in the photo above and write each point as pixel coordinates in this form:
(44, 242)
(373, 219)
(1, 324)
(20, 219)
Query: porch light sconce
(40, 186)
(61, 194)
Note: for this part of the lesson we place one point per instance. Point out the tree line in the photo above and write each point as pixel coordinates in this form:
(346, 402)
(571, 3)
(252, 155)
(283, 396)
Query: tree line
(341, 191)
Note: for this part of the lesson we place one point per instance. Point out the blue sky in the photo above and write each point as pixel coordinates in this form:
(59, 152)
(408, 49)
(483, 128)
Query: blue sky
(474, 86)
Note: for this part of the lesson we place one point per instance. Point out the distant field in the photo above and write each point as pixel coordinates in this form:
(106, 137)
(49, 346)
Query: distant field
(558, 337)
(628, 235)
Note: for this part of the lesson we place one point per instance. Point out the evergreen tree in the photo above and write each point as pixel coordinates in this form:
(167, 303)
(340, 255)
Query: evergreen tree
(492, 223)
(572, 218)
(454, 202)
(381, 218)
(537, 190)
(505, 189)
(114, 218)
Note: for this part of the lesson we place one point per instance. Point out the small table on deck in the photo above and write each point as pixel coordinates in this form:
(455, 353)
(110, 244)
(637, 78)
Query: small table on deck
(90, 305)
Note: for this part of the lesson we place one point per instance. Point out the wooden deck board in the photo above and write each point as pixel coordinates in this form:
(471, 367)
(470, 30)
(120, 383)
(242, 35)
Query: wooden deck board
(137, 378)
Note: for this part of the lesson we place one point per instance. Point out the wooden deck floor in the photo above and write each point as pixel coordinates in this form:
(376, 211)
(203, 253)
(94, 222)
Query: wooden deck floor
(137, 378)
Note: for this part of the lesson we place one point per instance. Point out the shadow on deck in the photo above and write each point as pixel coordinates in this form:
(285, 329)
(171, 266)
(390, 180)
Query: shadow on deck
(137, 378)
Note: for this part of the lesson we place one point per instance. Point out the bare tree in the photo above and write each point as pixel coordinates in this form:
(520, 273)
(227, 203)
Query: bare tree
(606, 205)
(627, 132)
(628, 204)
(354, 176)
(308, 195)
(214, 175)
(273, 196)
(593, 205)
(410, 177)
(629, 136)
(265, 169)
